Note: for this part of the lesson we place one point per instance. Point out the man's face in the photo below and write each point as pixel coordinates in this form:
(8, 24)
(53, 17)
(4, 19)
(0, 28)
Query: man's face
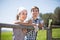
(35, 13)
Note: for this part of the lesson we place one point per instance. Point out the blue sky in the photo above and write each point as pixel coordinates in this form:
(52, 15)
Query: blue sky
(8, 8)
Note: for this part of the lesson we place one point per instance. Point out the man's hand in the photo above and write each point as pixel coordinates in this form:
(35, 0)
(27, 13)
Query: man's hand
(24, 31)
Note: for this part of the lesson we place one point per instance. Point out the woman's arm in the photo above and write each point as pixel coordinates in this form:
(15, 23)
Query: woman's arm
(28, 23)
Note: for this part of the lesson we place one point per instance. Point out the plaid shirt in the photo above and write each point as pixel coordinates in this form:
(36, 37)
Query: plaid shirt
(31, 35)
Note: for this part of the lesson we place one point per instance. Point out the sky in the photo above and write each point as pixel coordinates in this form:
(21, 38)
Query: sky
(8, 8)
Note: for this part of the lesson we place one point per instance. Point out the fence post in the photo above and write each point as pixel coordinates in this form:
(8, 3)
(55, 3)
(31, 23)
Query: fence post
(49, 34)
(0, 33)
(49, 30)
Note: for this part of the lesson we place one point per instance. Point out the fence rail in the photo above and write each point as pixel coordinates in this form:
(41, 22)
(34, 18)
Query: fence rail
(55, 26)
(49, 29)
(15, 26)
(4, 25)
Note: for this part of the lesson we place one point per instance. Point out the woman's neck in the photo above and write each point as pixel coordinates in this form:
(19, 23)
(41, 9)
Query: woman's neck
(21, 20)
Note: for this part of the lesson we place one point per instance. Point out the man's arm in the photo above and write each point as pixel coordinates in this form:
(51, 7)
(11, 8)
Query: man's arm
(41, 24)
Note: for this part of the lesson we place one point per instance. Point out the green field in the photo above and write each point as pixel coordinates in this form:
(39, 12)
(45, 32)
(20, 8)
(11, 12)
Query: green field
(40, 36)
(6, 36)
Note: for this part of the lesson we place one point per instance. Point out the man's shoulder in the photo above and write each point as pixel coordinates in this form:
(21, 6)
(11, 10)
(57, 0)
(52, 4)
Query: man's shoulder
(40, 19)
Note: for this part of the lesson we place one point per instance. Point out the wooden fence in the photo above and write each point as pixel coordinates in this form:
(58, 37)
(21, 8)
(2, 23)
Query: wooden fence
(49, 29)
(3, 25)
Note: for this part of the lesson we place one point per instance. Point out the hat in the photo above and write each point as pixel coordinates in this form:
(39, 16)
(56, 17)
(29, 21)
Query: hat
(21, 9)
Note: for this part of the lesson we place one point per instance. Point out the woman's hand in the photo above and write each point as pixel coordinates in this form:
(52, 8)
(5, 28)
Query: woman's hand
(24, 31)
(30, 21)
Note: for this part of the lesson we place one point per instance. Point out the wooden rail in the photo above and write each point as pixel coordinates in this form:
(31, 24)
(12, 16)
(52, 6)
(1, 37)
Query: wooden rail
(49, 29)
(55, 26)
(15, 26)
(4, 25)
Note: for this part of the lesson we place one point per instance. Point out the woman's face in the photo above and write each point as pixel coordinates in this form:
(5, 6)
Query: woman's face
(35, 12)
(23, 15)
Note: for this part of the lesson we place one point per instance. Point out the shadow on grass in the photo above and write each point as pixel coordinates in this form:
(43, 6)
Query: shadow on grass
(55, 38)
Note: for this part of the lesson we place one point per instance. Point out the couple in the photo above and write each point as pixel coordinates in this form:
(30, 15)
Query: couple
(22, 34)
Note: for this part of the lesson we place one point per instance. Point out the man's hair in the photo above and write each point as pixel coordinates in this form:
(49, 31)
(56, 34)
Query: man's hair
(34, 7)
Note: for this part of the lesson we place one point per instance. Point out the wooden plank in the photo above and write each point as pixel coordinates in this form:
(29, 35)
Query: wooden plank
(49, 30)
(55, 26)
(0, 33)
(55, 38)
(49, 34)
(4, 25)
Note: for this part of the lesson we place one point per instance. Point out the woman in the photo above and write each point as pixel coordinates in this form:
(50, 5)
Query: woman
(19, 33)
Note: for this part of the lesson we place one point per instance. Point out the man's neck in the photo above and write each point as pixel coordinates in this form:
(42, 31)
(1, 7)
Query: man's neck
(34, 18)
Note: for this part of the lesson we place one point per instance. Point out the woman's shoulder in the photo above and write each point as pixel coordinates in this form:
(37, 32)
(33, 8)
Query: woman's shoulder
(16, 21)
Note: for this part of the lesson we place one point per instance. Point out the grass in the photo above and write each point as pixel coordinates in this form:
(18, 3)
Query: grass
(40, 36)
(56, 33)
(6, 36)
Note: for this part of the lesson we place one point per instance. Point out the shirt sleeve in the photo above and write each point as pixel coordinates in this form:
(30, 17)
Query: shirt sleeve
(41, 21)
(15, 21)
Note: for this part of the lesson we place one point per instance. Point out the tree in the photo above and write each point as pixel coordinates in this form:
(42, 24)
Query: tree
(46, 17)
(57, 15)
(40, 14)
(54, 16)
